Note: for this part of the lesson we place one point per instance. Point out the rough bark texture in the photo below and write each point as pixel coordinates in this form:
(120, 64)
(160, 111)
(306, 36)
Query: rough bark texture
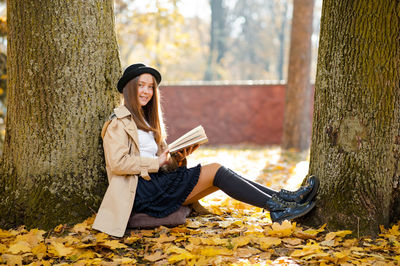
(356, 128)
(297, 121)
(62, 69)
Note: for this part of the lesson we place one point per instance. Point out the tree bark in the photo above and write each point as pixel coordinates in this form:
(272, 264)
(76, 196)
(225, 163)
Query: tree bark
(356, 128)
(62, 69)
(297, 119)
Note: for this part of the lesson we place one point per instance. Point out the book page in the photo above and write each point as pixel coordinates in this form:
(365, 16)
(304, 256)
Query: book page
(194, 136)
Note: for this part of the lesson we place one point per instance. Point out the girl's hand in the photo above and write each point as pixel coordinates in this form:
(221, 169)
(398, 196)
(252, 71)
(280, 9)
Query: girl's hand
(181, 155)
(163, 158)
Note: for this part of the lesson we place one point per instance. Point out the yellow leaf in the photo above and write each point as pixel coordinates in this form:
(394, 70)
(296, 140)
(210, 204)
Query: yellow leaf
(33, 237)
(193, 224)
(19, 247)
(113, 244)
(59, 250)
(225, 224)
(306, 250)
(131, 239)
(292, 241)
(80, 228)
(213, 241)
(246, 252)
(340, 255)
(332, 235)
(59, 228)
(179, 257)
(350, 242)
(164, 238)
(3, 248)
(284, 229)
(214, 251)
(12, 259)
(155, 256)
(101, 237)
(266, 242)
(39, 251)
(124, 261)
(240, 241)
(309, 233)
(5, 234)
(146, 233)
(175, 249)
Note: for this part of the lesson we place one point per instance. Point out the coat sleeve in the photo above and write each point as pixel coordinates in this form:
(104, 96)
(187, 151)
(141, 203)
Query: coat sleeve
(119, 158)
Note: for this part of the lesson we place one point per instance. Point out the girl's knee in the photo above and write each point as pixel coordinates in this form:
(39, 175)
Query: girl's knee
(214, 166)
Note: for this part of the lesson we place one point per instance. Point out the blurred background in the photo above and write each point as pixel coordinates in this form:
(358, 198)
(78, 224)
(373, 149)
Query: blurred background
(213, 43)
(207, 40)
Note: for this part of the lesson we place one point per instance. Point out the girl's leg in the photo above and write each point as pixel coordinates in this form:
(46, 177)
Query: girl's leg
(214, 176)
(261, 187)
(204, 185)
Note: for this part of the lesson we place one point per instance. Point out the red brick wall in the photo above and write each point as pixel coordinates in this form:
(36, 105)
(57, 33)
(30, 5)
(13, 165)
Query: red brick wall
(230, 114)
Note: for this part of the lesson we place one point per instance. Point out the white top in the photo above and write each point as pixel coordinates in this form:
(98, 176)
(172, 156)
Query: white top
(147, 144)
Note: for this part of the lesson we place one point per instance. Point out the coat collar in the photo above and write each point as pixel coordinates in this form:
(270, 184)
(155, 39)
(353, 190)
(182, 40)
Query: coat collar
(121, 111)
(130, 127)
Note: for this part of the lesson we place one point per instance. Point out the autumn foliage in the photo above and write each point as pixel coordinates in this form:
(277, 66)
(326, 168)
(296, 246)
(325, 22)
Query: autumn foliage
(235, 234)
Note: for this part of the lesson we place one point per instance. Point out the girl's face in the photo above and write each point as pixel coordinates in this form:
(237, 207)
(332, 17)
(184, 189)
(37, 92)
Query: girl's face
(145, 88)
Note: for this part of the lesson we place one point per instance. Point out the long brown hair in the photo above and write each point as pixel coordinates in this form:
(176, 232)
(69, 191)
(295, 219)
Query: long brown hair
(151, 112)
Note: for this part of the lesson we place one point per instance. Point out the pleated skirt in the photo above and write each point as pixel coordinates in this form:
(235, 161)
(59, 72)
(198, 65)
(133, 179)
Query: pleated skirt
(165, 192)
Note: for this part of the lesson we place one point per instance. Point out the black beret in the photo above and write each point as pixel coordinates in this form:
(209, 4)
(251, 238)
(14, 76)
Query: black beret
(134, 71)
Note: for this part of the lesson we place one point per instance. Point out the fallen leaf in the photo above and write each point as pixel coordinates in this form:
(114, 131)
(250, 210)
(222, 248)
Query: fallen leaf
(59, 228)
(267, 242)
(59, 250)
(284, 229)
(112, 244)
(155, 256)
(124, 261)
(332, 235)
(19, 247)
(80, 228)
(12, 259)
(164, 238)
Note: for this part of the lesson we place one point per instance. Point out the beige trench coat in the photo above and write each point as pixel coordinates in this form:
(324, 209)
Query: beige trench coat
(124, 166)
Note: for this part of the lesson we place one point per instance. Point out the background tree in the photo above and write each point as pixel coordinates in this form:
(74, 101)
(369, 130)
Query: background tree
(297, 120)
(62, 69)
(278, 21)
(218, 39)
(157, 33)
(257, 45)
(356, 128)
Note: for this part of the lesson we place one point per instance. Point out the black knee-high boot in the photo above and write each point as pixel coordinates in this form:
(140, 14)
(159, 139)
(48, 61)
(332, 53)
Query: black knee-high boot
(241, 189)
(301, 195)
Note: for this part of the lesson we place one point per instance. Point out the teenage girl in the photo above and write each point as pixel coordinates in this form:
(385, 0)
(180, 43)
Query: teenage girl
(144, 178)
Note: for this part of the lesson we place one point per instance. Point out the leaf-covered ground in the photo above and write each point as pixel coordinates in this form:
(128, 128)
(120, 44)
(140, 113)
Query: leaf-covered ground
(235, 234)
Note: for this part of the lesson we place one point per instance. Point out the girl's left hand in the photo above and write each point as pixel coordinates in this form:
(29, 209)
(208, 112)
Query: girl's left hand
(182, 154)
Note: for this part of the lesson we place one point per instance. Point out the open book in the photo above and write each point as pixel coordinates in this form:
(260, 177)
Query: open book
(195, 136)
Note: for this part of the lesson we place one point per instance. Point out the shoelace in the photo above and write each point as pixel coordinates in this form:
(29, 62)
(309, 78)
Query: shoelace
(284, 203)
(307, 189)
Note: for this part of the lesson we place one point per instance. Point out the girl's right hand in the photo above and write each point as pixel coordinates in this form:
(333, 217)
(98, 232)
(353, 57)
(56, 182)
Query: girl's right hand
(163, 158)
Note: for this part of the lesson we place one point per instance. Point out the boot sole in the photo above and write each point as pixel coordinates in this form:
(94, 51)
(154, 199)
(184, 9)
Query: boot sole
(312, 205)
(313, 192)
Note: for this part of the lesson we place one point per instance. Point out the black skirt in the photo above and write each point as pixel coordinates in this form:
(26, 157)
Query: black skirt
(165, 192)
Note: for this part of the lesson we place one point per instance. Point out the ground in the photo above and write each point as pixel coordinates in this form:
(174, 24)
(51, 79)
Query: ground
(234, 234)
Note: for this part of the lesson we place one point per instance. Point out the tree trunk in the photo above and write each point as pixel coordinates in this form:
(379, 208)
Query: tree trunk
(356, 128)
(297, 120)
(62, 69)
(217, 39)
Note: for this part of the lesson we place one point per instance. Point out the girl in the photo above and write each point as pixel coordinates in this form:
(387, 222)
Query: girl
(143, 178)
